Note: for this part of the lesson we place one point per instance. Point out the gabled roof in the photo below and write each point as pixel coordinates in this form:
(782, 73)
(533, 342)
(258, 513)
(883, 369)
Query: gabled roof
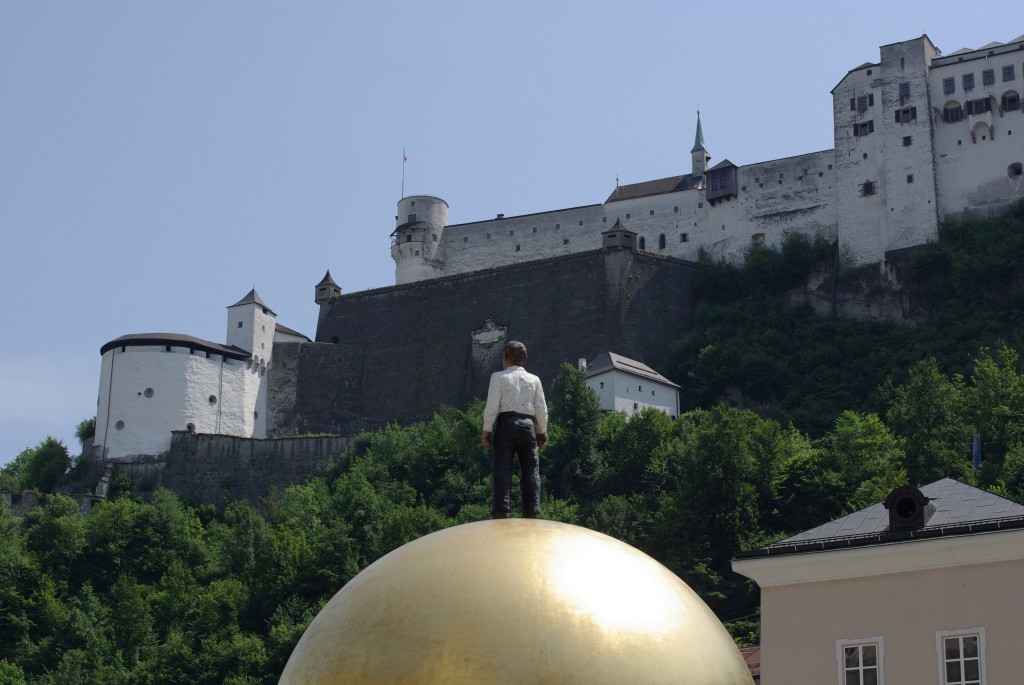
(960, 509)
(252, 298)
(724, 164)
(290, 331)
(661, 186)
(606, 361)
(176, 340)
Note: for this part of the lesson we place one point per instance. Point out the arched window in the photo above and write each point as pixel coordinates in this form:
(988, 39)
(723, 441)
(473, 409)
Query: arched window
(952, 112)
(661, 241)
(643, 243)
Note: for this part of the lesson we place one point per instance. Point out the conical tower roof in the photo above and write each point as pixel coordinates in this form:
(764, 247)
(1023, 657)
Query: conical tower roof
(327, 280)
(698, 143)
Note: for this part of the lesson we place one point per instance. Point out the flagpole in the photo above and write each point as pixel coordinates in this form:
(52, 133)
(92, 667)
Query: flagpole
(404, 160)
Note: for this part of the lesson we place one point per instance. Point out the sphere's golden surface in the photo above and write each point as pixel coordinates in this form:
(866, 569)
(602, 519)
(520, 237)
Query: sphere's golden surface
(516, 601)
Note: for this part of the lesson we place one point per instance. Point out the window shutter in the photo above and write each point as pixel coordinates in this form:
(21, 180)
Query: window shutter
(855, 134)
(871, 126)
(913, 112)
(853, 104)
(899, 116)
(871, 99)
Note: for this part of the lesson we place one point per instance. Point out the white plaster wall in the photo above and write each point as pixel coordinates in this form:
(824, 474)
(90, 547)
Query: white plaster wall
(972, 174)
(622, 390)
(801, 623)
(256, 332)
(182, 385)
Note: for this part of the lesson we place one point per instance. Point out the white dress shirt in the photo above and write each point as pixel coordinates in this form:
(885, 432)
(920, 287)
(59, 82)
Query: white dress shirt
(516, 390)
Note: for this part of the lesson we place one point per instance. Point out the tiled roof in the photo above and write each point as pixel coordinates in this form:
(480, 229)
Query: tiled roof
(606, 361)
(752, 655)
(661, 186)
(960, 509)
(724, 164)
(175, 340)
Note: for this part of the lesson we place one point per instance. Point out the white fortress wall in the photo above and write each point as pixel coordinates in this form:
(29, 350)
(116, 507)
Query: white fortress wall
(975, 172)
(497, 242)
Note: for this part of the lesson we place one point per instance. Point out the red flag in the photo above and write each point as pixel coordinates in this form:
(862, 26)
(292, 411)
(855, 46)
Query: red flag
(404, 158)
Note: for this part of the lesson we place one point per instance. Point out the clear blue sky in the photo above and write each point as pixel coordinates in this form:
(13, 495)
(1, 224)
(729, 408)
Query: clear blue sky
(158, 159)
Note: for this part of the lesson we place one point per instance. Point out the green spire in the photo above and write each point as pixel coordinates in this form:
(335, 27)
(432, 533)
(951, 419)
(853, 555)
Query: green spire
(698, 143)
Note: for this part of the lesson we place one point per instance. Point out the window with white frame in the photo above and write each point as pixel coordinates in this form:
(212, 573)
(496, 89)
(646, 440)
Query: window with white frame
(860, 660)
(961, 656)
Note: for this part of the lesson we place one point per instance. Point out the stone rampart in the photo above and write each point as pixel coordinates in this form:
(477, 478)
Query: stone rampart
(216, 469)
(401, 352)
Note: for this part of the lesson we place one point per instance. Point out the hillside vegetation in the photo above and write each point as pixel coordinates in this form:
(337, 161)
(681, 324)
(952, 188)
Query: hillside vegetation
(164, 591)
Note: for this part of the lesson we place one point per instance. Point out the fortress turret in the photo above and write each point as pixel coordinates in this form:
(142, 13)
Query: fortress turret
(415, 242)
(326, 289)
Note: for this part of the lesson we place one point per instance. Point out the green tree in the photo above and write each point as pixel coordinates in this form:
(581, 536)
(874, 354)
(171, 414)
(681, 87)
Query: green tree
(571, 462)
(46, 465)
(995, 406)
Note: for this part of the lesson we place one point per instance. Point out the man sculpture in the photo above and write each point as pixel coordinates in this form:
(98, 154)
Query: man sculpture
(518, 415)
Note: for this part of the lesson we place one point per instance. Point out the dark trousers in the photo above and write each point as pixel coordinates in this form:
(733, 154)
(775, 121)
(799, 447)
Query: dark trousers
(515, 436)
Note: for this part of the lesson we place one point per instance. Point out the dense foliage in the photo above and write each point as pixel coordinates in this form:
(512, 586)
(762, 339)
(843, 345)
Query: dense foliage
(164, 591)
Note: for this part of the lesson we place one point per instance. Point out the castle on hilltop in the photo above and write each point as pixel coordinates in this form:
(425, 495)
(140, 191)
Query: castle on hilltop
(919, 138)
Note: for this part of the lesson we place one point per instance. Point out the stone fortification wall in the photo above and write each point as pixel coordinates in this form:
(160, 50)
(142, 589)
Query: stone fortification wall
(215, 469)
(400, 352)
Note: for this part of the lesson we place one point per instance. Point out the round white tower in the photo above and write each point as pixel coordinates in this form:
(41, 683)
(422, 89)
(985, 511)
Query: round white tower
(416, 240)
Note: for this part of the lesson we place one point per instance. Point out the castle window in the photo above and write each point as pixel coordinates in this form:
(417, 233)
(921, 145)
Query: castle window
(968, 81)
(675, 210)
(517, 248)
(905, 115)
(408, 238)
(190, 427)
(465, 238)
(643, 243)
(534, 229)
(907, 140)
(904, 92)
(565, 241)
(255, 415)
(488, 236)
(602, 385)
(910, 178)
(511, 232)
(581, 223)
(700, 205)
(412, 218)
(979, 106)
(952, 113)
(434, 236)
(239, 324)
(684, 237)
(1015, 170)
(634, 406)
(830, 167)
(167, 348)
(948, 86)
(1011, 102)
(148, 392)
(863, 128)
(558, 226)
(867, 188)
(988, 77)
(640, 388)
(1008, 74)
(661, 241)
(417, 253)
(652, 212)
(627, 216)
(604, 219)
(119, 425)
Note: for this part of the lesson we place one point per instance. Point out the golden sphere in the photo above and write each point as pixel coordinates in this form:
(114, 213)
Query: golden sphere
(516, 601)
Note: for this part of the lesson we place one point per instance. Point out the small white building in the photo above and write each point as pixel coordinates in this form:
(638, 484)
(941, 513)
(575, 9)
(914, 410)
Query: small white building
(155, 383)
(921, 589)
(630, 386)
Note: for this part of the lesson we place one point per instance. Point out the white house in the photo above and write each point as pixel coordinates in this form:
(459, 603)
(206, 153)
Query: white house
(154, 383)
(630, 386)
(922, 589)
